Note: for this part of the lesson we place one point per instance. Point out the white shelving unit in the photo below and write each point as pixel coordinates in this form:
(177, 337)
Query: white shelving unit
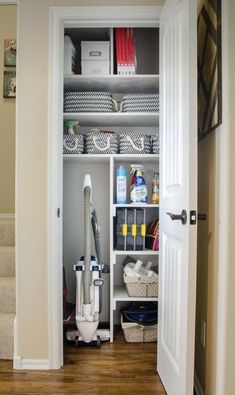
(104, 166)
(114, 118)
(113, 83)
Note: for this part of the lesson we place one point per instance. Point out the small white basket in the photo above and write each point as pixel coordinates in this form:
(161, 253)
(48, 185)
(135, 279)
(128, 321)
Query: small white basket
(142, 286)
(137, 333)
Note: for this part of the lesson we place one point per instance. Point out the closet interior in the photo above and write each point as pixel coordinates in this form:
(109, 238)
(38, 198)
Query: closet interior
(111, 104)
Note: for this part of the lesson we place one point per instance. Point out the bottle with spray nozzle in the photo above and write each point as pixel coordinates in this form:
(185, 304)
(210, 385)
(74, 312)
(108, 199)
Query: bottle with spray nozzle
(155, 188)
(72, 127)
(138, 190)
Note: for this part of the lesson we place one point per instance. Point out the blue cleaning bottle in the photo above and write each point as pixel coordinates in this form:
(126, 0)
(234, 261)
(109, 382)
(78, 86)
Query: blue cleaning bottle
(121, 185)
(138, 192)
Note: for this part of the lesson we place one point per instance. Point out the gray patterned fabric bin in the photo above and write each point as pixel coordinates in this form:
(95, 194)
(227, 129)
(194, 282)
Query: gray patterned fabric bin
(131, 143)
(89, 102)
(98, 142)
(140, 103)
(73, 144)
(155, 144)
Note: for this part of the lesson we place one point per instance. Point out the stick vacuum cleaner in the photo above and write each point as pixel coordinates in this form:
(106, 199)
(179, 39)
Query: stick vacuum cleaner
(88, 276)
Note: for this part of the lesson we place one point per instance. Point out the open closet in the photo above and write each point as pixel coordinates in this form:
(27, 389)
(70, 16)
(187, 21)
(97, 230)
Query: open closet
(103, 166)
(166, 70)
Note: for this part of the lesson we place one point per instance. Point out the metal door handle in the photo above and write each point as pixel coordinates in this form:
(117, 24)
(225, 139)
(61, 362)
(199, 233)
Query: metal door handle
(181, 217)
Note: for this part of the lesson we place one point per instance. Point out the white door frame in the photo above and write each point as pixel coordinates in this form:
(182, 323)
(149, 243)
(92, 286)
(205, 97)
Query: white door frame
(60, 17)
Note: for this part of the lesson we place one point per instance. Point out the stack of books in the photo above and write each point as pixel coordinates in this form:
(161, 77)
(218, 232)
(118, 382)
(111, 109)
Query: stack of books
(125, 51)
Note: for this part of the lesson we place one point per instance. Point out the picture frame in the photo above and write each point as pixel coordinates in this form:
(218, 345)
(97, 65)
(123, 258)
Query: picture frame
(9, 84)
(209, 67)
(9, 52)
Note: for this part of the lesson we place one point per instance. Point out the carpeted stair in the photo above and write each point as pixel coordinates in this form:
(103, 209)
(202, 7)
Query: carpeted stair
(7, 287)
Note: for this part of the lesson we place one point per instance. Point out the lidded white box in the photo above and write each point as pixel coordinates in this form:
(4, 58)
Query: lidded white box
(95, 50)
(99, 67)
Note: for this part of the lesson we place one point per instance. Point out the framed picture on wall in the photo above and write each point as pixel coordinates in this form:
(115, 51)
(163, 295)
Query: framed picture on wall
(209, 67)
(9, 84)
(9, 52)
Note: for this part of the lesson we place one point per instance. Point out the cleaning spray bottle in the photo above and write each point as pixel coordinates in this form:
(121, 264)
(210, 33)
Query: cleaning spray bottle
(121, 185)
(155, 189)
(138, 190)
(72, 127)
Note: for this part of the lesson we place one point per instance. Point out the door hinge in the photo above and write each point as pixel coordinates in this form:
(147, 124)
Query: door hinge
(58, 212)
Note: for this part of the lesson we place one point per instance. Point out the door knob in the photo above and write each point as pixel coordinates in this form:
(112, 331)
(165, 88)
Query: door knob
(179, 217)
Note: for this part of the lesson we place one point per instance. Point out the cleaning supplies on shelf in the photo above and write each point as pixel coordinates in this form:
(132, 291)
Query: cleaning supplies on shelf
(137, 269)
(140, 280)
(130, 229)
(121, 185)
(73, 143)
(138, 190)
(155, 189)
(152, 236)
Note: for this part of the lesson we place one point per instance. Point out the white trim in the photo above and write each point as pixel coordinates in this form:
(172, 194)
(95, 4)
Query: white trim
(7, 216)
(59, 17)
(197, 386)
(30, 364)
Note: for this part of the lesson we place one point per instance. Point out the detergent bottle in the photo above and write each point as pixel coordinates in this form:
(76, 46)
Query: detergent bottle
(155, 189)
(121, 185)
(138, 190)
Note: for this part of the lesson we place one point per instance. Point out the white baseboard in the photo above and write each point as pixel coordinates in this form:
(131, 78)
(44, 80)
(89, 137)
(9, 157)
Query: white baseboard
(30, 364)
(7, 216)
(197, 386)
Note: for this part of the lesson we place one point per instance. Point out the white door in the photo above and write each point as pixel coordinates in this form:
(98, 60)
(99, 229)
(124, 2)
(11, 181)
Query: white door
(178, 134)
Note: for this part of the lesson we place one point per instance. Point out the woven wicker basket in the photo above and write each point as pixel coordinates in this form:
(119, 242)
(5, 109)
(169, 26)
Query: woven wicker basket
(136, 333)
(143, 286)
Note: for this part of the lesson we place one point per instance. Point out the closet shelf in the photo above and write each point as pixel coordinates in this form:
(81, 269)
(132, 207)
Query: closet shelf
(120, 294)
(148, 83)
(135, 205)
(114, 118)
(106, 157)
(137, 252)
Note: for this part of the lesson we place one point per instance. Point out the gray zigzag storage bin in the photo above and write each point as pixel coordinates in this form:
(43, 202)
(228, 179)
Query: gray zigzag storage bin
(130, 143)
(140, 102)
(73, 144)
(101, 143)
(89, 102)
(155, 144)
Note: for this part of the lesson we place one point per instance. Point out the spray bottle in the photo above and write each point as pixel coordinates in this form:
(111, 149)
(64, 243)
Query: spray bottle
(155, 189)
(72, 127)
(121, 185)
(138, 190)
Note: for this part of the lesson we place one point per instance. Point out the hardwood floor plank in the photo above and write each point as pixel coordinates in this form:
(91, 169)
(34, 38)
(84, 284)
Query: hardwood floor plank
(115, 369)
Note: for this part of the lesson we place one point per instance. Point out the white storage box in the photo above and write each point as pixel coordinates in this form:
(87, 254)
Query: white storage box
(69, 56)
(98, 67)
(95, 50)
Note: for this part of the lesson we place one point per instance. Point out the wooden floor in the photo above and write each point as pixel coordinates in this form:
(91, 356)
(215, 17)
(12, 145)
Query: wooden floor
(114, 369)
